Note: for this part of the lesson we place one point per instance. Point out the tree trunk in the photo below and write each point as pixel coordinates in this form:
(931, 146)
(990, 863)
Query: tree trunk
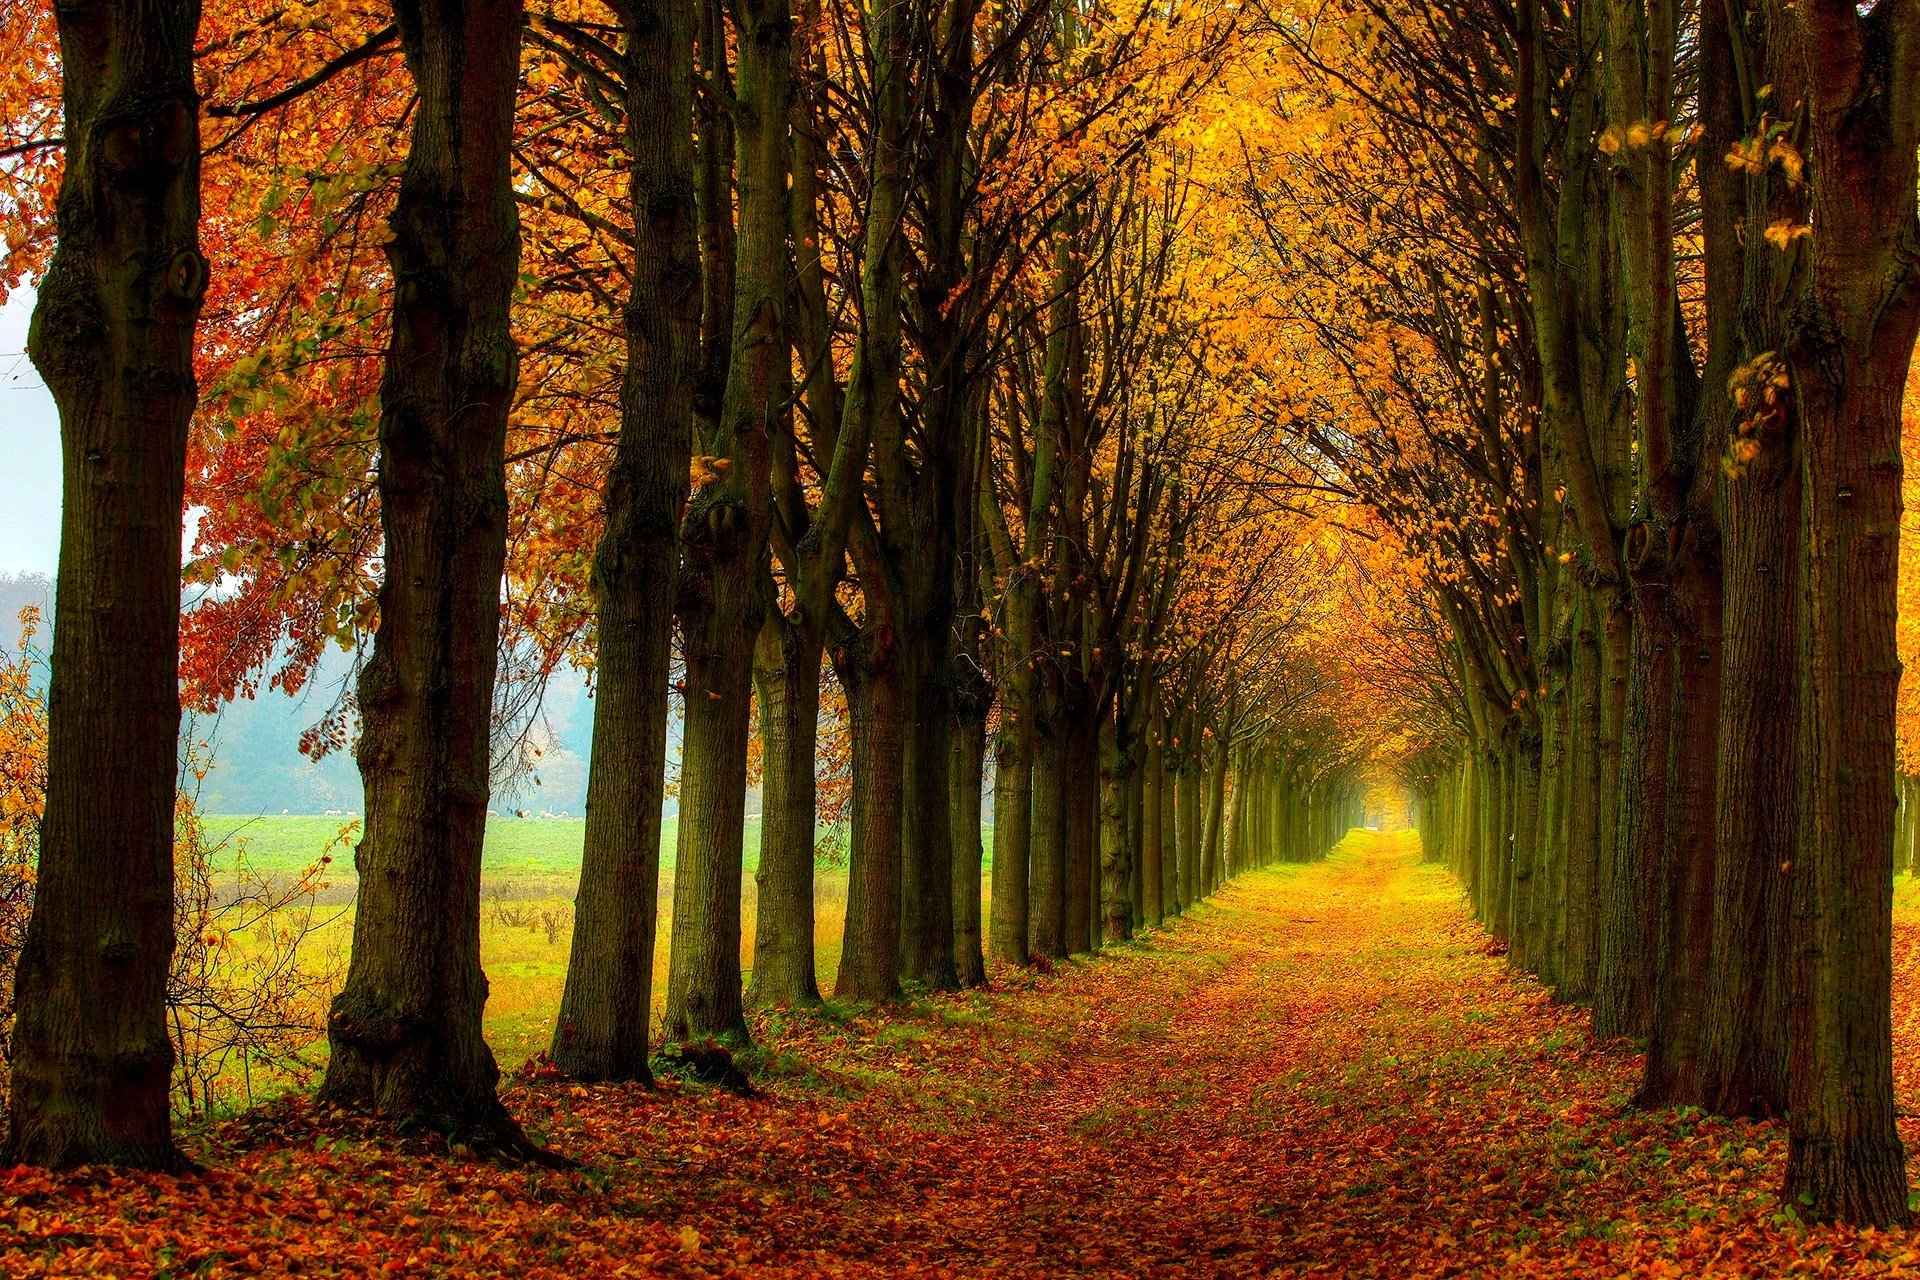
(1489, 881)
(1744, 1054)
(1116, 854)
(1192, 783)
(113, 335)
(405, 1031)
(786, 678)
(1501, 767)
(723, 588)
(1234, 815)
(1169, 842)
(1848, 354)
(602, 1030)
(940, 491)
(1082, 805)
(1686, 906)
(1845, 1158)
(714, 198)
(1550, 832)
(703, 973)
(1046, 920)
(1136, 834)
(1630, 942)
(926, 917)
(1213, 873)
(1012, 827)
(1909, 824)
(1903, 827)
(1529, 878)
(1583, 801)
(1153, 833)
(877, 696)
(1615, 641)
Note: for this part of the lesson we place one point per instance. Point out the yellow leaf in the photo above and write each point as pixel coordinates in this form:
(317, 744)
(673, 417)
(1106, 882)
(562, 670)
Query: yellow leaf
(706, 468)
(1782, 232)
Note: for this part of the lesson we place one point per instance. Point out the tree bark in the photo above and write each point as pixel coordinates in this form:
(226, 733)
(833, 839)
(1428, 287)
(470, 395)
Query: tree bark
(113, 335)
(1629, 945)
(1845, 1158)
(1684, 973)
(405, 1030)
(1213, 873)
(941, 489)
(926, 917)
(714, 197)
(1583, 801)
(1848, 352)
(1136, 802)
(1234, 847)
(877, 694)
(1153, 832)
(875, 669)
(723, 588)
(1082, 831)
(1047, 917)
(972, 701)
(703, 974)
(1192, 783)
(1116, 854)
(602, 1031)
(1169, 835)
(1529, 878)
(786, 677)
(1012, 827)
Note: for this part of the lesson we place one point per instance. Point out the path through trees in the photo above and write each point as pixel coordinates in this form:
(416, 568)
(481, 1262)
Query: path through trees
(1218, 413)
(1326, 1072)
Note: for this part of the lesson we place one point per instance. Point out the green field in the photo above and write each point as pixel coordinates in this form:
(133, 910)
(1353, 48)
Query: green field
(529, 877)
(531, 858)
(530, 874)
(524, 944)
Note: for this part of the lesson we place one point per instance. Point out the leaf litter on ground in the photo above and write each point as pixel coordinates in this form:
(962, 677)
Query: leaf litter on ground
(1326, 1071)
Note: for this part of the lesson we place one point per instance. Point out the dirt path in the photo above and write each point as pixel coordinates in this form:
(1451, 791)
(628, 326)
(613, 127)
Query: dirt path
(1330, 1073)
(1323, 1073)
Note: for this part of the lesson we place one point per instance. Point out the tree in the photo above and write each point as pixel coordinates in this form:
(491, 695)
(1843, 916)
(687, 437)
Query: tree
(605, 1009)
(1848, 352)
(723, 599)
(113, 335)
(405, 1030)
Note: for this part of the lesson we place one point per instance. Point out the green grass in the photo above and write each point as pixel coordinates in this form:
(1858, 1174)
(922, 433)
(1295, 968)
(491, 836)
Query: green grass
(530, 873)
(524, 945)
(1906, 892)
(525, 858)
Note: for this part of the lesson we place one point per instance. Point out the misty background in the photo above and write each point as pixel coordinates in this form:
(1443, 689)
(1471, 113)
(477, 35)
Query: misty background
(258, 768)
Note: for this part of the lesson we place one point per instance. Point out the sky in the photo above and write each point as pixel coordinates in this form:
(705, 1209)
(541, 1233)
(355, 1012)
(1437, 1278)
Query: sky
(29, 452)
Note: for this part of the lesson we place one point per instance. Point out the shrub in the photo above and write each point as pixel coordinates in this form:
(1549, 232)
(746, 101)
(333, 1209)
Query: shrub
(23, 790)
(253, 963)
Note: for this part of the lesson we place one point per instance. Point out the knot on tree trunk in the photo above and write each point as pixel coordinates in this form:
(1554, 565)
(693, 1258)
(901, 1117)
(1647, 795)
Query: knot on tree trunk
(370, 1024)
(710, 1062)
(145, 141)
(1644, 551)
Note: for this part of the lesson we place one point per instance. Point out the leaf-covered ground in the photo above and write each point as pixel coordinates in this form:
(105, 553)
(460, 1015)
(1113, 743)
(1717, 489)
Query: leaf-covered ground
(1325, 1073)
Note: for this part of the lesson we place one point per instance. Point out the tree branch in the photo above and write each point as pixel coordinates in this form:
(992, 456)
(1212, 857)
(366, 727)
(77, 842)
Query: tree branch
(377, 43)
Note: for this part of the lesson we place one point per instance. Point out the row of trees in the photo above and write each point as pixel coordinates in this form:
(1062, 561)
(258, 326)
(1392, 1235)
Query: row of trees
(1629, 303)
(828, 366)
